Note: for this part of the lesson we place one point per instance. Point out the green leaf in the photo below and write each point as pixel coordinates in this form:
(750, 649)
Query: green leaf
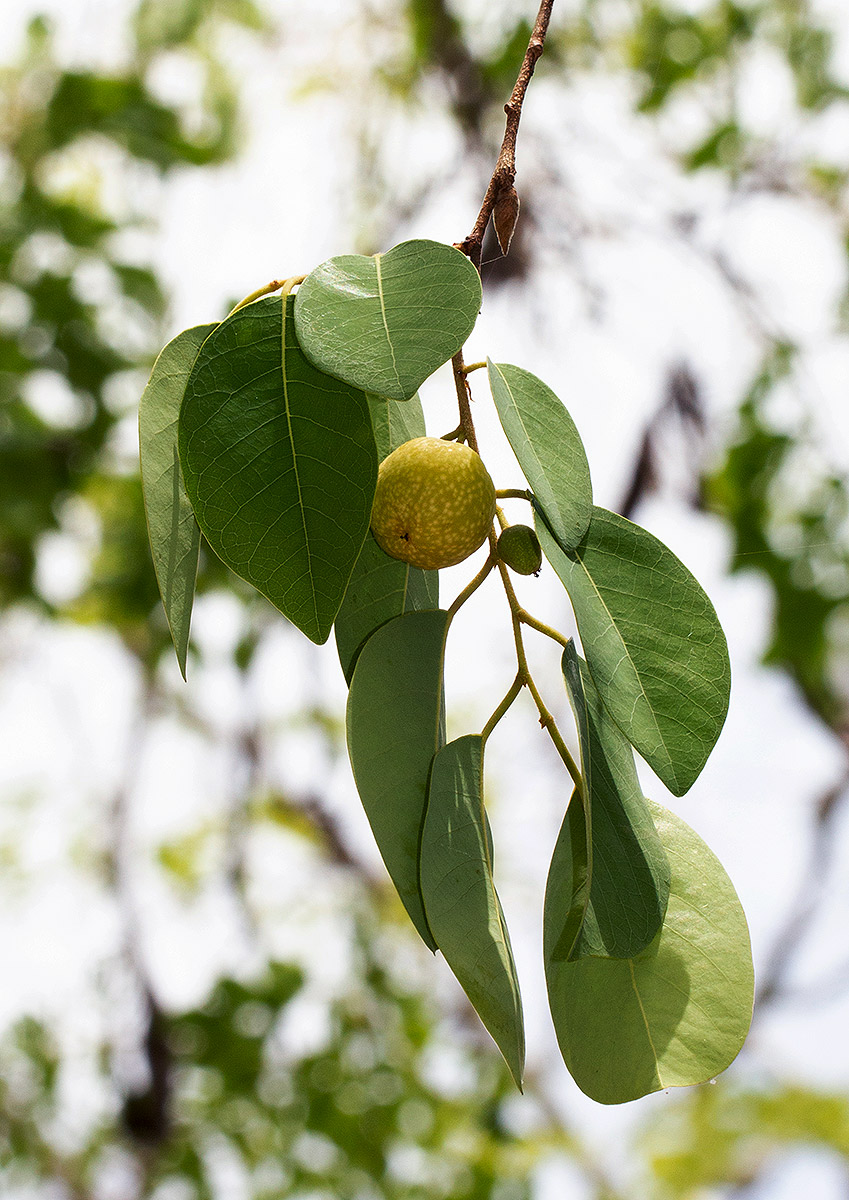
(385, 323)
(382, 587)
(172, 528)
(676, 1014)
(395, 726)
(653, 642)
(394, 424)
(549, 449)
(462, 905)
(619, 875)
(280, 464)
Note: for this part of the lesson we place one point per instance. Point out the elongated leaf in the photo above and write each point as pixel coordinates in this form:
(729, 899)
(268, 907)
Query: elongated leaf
(676, 1014)
(280, 464)
(382, 587)
(461, 903)
(622, 859)
(394, 424)
(385, 323)
(171, 525)
(395, 726)
(549, 449)
(653, 643)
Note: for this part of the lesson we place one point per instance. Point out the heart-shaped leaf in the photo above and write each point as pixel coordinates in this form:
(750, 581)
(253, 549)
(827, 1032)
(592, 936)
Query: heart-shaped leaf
(385, 323)
(618, 874)
(396, 723)
(653, 643)
(549, 449)
(461, 903)
(279, 462)
(676, 1014)
(382, 587)
(171, 525)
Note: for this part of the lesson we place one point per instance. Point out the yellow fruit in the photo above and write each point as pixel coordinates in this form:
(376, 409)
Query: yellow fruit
(434, 503)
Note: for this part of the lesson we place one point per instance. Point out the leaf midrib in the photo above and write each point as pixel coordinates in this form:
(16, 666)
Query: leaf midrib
(383, 317)
(301, 509)
(655, 1054)
(530, 444)
(633, 665)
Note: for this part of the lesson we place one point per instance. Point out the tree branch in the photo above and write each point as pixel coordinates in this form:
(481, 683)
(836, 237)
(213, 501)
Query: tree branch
(504, 175)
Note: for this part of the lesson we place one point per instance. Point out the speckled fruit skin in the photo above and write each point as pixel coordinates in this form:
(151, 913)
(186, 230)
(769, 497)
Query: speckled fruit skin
(434, 503)
(518, 546)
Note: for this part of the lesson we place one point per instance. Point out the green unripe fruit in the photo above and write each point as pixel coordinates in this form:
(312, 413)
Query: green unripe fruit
(519, 547)
(434, 503)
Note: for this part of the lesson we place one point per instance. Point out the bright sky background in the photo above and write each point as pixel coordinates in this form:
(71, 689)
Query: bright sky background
(68, 696)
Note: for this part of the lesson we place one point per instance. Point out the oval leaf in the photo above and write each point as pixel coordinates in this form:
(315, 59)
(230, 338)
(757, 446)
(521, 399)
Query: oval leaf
(382, 587)
(385, 323)
(395, 723)
(678, 1013)
(461, 903)
(280, 464)
(653, 643)
(171, 524)
(549, 449)
(622, 909)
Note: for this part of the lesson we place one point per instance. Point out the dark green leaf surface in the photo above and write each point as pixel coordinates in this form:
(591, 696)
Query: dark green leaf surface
(549, 449)
(676, 1014)
(382, 587)
(620, 912)
(172, 528)
(652, 640)
(462, 905)
(280, 464)
(385, 323)
(395, 725)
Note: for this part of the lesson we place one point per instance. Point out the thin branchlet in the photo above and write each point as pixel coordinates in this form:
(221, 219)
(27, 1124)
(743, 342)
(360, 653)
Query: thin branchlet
(504, 174)
(502, 182)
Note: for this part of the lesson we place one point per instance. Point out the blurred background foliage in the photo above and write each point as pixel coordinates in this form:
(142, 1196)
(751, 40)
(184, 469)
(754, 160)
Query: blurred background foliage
(216, 1094)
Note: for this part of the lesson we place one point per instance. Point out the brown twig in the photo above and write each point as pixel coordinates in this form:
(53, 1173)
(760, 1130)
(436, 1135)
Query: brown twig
(504, 175)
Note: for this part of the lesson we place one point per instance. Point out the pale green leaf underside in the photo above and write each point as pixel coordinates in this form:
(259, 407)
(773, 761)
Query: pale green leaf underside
(280, 464)
(172, 528)
(462, 905)
(385, 323)
(678, 1013)
(394, 424)
(382, 587)
(395, 725)
(619, 914)
(548, 447)
(652, 640)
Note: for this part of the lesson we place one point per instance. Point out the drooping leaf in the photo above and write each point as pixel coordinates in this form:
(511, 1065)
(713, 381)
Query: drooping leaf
(395, 723)
(461, 903)
(279, 462)
(382, 587)
(385, 323)
(394, 424)
(172, 528)
(652, 640)
(676, 1014)
(618, 874)
(549, 449)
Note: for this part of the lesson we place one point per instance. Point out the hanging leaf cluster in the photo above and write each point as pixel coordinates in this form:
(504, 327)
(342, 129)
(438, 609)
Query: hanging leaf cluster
(263, 434)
